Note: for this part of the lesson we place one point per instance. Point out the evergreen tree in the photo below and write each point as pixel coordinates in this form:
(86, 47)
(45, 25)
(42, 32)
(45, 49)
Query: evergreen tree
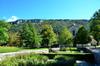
(82, 36)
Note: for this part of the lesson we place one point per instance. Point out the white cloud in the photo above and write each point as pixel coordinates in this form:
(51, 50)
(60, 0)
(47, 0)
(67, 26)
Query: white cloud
(12, 18)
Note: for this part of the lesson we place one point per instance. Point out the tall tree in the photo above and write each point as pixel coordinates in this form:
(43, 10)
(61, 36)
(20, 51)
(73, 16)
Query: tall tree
(48, 35)
(29, 36)
(82, 36)
(4, 27)
(3, 36)
(65, 37)
(95, 26)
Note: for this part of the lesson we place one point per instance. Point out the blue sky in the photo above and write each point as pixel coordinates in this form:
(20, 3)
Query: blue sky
(48, 9)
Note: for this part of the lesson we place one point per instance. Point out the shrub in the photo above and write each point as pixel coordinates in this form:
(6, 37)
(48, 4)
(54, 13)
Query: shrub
(25, 60)
(64, 60)
(63, 49)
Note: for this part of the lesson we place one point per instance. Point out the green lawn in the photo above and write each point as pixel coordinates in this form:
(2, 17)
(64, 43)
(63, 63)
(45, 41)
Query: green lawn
(70, 52)
(4, 49)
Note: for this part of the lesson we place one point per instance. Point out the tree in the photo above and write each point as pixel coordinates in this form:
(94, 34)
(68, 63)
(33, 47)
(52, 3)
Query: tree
(3, 36)
(96, 33)
(14, 39)
(95, 26)
(49, 38)
(5, 24)
(29, 36)
(65, 37)
(82, 36)
(4, 27)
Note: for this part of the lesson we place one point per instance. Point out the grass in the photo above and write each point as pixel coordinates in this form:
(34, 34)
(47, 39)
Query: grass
(37, 60)
(71, 48)
(98, 46)
(70, 52)
(4, 49)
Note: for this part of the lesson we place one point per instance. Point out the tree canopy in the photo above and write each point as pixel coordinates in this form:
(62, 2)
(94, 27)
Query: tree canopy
(95, 26)
(82, 36)
(48, 35)
(65, 37)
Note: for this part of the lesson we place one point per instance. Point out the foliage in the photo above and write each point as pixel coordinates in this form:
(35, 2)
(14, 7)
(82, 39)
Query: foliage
(36, 60)
(82, 36)
(96, 32)
(3, 32)
(25, 60)
(29, 36)
(65, 37)
(95, 25)
(14, 39)
(65, 60)
(3, 36)
(4, 24)
(69, 49)
(48, 35)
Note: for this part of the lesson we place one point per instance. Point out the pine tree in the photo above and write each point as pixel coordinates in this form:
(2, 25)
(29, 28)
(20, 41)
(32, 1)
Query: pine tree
(82, 36)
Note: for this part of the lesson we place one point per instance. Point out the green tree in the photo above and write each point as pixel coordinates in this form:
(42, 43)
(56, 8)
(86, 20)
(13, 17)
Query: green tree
(65, 37)
(49, 38)
(82, 36)
(5, 24)
(14, 39)
(96, 33)
(4, 27)
(3, 36)
(29, 36)
(95, 26)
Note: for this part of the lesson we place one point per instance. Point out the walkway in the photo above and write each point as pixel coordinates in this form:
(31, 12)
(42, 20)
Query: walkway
(10, 54)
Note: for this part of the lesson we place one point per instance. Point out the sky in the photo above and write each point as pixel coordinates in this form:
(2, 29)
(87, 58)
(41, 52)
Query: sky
(48, 9)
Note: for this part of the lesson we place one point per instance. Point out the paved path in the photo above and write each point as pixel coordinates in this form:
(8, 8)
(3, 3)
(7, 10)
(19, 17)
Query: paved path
(10, 54)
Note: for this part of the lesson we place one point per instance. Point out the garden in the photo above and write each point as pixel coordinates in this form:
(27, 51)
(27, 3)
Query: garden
(59, 42)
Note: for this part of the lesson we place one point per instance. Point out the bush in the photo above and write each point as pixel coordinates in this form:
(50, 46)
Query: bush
(37, 60)
(25, 60)
(63, 49)
(64, 60)
(68, 49)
